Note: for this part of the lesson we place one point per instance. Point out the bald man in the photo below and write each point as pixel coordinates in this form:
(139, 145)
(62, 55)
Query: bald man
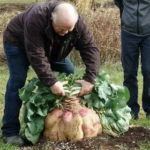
(43, 36)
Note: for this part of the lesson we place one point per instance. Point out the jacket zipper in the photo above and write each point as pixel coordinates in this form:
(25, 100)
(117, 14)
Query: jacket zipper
(60, 55)
(138, 18)
(50, 48)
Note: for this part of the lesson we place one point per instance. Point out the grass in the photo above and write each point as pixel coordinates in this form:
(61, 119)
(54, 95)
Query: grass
(31, 1)
(101, 1)
(21, 1)
(116, 76)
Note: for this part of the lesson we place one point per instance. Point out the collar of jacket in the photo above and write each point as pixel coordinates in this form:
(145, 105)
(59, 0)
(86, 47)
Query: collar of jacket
(71, 35)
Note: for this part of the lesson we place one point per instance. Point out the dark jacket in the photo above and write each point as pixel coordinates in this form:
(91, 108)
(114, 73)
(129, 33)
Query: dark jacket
(135, 16)
(33, 30)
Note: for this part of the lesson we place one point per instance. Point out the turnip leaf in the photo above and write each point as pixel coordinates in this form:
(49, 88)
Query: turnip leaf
(31, 137)
(36, 125)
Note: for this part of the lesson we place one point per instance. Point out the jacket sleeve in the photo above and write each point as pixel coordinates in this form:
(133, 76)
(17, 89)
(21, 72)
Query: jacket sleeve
(119, 4)
(34, 45)
(88, 50)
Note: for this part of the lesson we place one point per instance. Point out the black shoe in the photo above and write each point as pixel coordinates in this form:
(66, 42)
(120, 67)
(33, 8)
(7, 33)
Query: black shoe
(148, 115)
(135, 116)
(15, 140)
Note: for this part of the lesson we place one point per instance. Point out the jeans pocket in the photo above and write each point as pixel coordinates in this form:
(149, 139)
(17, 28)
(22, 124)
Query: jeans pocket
(11, 50)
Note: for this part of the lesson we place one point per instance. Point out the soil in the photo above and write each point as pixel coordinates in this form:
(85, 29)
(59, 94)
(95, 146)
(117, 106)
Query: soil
(130, 140)
(10, 7)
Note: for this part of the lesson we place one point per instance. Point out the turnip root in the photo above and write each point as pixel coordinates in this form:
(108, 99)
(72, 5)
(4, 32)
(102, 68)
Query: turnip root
(72, 123)
(73, 129)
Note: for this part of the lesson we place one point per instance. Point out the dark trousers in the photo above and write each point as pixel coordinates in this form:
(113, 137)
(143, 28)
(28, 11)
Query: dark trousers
(132, 47)
(18, 65)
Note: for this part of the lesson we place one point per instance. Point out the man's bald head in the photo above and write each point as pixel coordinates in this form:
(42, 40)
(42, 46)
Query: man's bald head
(65, 17)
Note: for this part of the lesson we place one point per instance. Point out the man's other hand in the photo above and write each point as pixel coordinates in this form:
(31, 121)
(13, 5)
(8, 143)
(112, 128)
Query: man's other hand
(86, 87)
(57, 89)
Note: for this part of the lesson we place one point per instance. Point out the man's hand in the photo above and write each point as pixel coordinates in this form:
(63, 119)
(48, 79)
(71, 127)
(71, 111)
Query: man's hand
(57, 89)
(86, 87)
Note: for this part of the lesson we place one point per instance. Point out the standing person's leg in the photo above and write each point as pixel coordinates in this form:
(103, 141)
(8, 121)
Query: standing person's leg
(64, 66)
(145, 60)
(130, 57)
(18, 66)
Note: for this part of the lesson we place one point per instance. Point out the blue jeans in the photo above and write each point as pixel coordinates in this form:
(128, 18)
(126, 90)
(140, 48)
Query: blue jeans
(132, 47)
(18, 65)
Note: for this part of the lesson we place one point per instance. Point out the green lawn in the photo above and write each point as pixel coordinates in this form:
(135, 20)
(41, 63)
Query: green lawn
(116, 76)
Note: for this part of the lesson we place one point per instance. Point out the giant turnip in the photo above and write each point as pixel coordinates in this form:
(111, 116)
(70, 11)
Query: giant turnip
(72, 122)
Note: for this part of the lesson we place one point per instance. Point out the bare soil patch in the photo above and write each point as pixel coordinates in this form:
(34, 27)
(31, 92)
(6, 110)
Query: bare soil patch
(130, 140)
(9, 7)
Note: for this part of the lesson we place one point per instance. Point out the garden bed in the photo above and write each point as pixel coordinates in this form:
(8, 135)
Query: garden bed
(130, 140)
